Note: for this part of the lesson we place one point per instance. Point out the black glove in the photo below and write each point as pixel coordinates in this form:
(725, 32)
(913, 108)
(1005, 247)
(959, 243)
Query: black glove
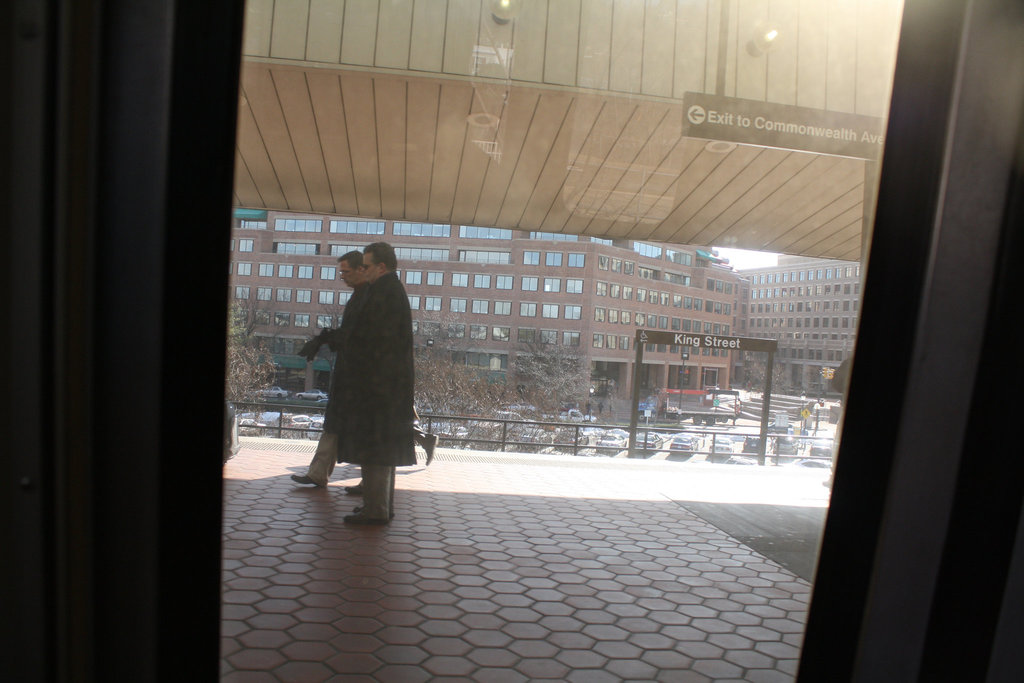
(310, 348)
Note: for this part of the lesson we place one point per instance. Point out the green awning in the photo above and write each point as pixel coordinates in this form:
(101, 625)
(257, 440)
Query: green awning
(299, 363)
(257, 214)
(707, 255)
(294, 362)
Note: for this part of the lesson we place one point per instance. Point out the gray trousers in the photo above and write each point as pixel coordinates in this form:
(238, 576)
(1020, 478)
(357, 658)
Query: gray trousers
(378, 491)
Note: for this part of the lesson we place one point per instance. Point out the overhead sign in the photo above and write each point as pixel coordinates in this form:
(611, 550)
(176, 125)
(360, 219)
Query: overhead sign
(767, 124)
(710, 341)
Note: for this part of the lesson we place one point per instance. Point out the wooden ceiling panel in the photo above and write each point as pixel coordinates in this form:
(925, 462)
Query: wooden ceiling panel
(389, 100)
(456, 102)
(545, 207)
(538, 149)
(404, 146)
(325, 98)
(517, 119)
(357, 100)
(293, 93)
(261, 94)
(421, 119)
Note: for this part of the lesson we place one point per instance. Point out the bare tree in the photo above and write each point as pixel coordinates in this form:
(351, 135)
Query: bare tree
(550, 375)
(755, 369)
(248, 369)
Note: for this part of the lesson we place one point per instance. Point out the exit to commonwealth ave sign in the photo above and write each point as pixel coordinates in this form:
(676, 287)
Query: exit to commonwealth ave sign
(710, 341)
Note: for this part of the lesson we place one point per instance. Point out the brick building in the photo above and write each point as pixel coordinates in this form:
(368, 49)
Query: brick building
(811, 307)
(489, 294)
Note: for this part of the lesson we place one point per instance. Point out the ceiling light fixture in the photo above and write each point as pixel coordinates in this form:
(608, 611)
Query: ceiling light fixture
(503, 11)
(765, 37)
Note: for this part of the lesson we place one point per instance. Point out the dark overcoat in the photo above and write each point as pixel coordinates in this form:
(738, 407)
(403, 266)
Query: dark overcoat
(379, 380)
(337, 339)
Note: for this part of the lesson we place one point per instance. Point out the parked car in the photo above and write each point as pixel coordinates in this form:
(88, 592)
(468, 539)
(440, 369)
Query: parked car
(681, 447)
(614, 438)
(821, 448)
(272, 392)
(311, 395)
(574, 415)
(721, 450)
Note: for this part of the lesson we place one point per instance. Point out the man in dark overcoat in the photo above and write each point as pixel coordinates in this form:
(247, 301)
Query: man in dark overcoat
(379, 423)
(352, 273)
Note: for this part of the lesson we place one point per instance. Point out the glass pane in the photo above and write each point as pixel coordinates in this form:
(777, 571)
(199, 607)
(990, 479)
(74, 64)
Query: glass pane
(700, 175)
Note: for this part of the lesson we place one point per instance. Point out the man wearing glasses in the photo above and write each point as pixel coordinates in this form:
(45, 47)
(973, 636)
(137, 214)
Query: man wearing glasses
(352, 273)
(379, 427)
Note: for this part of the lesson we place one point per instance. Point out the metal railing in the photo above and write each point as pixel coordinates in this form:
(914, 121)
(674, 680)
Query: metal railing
(547, 436)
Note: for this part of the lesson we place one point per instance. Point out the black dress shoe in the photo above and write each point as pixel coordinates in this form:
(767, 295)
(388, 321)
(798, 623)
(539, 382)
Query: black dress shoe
(303, 479)
(429, 444)
(356, 490)
(360, 518)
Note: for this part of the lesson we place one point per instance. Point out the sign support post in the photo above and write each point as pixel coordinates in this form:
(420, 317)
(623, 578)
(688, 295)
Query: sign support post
(634, 412)
(766, 403)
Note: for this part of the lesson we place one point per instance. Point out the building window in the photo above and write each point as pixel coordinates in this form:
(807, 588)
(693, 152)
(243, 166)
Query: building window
(501, 333)
(244, 245)
(613, 341)
(263, 293)
(601, 288)
(262, 317)
(552, 284)
(554, 236)
(526, 335)
(480, 306)
(647, 249)
(420, 254)
(548, 337)
(323, 321)
(527, 310)
(553, 258)
(241, 292)
(413, 277)
(529, 284)
(358, 227)
(471, 256)
(577, 260)
(284, 294)
(297, 248)
(297, 225)
(502, 308)
(302, 320)
(246, 224)
(285, 270)
(460, 280)
(414, 302)
(626, 317)
(344, 298)
(456, 330)
(422, 229)
(325, 298)
(549, 311)
(570, 338)
(482, 281)
(432, 303)
(282, 319)
(574, 286)
(598, 341)
(613, 315)
(503, 282)
(245, 269)
(457, 305)
(573, 312)
(478, 331)
(602, 262)
(266, 270)
(435, 278)
(303, 296)
(641, 295)
(599, 314)
(531, 258)
(305, 272)
(328, 273)
(641, 319)
(472, 232)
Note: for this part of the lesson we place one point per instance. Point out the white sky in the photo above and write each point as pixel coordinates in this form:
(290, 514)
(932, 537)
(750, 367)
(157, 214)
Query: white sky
(743, 259)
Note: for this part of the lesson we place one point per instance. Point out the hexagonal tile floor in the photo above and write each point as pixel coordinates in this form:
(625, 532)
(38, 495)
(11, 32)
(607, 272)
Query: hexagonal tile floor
(506, 568)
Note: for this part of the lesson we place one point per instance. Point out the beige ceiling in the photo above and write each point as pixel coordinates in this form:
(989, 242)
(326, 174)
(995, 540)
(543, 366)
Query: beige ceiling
(406, 147)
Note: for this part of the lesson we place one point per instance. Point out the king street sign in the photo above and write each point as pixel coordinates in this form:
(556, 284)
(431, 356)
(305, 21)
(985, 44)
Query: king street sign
(710, 341)
(766, 124)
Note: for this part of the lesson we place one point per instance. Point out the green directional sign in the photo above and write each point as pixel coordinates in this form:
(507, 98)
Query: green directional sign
(710, 341)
